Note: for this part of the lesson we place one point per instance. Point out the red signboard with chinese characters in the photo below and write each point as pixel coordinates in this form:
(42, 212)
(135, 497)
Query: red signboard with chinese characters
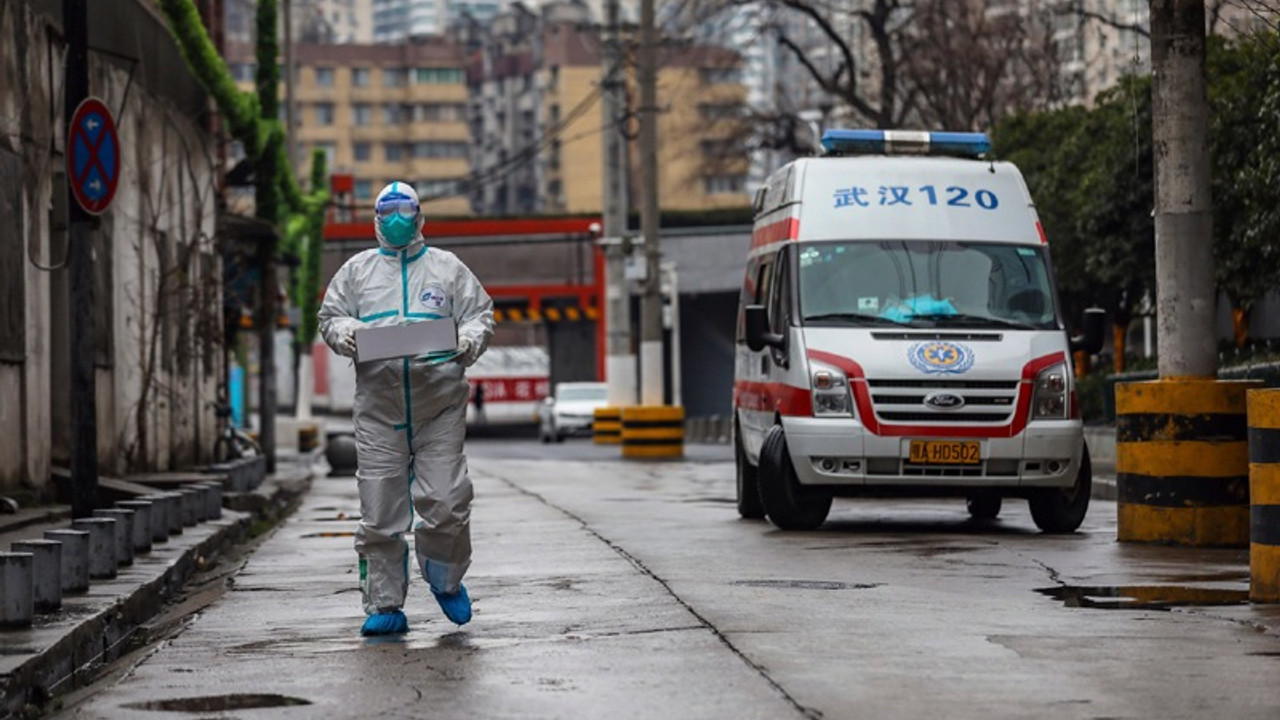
(512, 389)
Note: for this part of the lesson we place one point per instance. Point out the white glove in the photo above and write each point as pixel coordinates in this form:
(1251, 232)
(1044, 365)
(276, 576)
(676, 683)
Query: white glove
(468, 352)
(347, 343)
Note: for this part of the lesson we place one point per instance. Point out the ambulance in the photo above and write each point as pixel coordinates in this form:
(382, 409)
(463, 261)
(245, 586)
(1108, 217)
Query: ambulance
(899, 334)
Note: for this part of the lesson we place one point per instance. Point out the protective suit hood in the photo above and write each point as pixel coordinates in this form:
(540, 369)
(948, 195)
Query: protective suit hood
(398, 190)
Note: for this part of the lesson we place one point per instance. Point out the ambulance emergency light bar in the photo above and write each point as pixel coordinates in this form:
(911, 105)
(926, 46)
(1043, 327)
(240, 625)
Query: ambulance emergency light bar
(912, 142)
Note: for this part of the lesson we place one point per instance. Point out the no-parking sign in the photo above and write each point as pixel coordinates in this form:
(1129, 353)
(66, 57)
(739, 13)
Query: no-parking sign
(93, 156)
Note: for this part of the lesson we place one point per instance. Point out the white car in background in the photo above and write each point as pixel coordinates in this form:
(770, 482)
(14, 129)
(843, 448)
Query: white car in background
(570, 410)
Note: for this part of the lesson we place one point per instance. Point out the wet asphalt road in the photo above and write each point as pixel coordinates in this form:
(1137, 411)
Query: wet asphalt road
(631, 590)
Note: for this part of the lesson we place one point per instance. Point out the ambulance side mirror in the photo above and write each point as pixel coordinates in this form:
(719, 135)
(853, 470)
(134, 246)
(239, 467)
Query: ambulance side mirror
(758, 335)
(1093, 329)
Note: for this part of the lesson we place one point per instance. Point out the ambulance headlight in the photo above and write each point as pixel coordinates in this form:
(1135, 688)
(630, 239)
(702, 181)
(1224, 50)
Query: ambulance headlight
(1049, 399)
(830, 392)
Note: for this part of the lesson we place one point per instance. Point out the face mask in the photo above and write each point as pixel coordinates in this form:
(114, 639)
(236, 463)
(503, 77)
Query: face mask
(399, 231)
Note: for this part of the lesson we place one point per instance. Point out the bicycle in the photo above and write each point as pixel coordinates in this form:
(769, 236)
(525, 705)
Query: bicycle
(232, 442)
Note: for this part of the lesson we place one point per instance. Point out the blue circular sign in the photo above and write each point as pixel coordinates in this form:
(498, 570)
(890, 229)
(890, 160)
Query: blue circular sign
(93, 156)
(940, 357)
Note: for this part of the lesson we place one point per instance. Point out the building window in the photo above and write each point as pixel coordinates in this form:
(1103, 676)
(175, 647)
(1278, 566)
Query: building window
(721, 76)
(718, 149)
(438, 188)
(360, 77)
(329, 150)
(242, 72)
(725, 184)
(438, 149)
(362, 114)
(324, 76)
(393, 151)
(362, 151)
(440, 112)
(363, 189)
(437, 76)
(393, 77)
(392, 114)
(324, 113)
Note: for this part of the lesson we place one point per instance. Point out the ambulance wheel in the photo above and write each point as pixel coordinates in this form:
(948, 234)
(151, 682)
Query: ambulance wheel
(984, 507)
(749, 507)
(1061, 510)
(789, 505)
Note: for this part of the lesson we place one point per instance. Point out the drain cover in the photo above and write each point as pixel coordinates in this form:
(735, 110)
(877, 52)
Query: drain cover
(219, 703)
(805, 584)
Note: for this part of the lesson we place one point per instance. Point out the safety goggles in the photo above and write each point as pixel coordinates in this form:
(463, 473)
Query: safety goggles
(405, 207)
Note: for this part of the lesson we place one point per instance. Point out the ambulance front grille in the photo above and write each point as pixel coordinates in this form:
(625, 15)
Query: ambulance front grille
(985, 401)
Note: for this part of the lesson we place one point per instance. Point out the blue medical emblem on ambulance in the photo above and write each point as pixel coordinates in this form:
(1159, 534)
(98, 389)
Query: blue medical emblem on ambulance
(435, 300)
(940, 358)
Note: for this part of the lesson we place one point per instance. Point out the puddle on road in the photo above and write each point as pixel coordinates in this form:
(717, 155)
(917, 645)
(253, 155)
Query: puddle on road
(1143, 597)
(219, 703)
(329, 535)
(804, 584)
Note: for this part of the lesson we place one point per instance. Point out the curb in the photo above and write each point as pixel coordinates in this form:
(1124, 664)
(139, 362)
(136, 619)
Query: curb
(67, 650)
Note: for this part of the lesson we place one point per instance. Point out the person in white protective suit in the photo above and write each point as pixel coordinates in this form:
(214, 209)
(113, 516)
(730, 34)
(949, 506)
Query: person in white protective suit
(410, 414)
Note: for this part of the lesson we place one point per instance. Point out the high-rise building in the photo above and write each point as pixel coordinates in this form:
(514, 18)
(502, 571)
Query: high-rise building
(395, 20)
(382, 113)
(537, 120)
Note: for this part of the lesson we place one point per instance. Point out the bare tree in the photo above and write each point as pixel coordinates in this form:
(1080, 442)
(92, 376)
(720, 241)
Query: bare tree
(970, 66)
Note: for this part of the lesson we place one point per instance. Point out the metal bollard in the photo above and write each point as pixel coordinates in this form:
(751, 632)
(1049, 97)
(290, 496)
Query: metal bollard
(75, 558)
(191, 503)
(102, 545)
(142, 520)
(17, 602)
(202, 501)
(124, 533)
(46, 572)
(1264, 496)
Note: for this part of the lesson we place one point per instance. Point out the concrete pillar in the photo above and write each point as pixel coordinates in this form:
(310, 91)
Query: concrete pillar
(213, 500)
(17, 602)
(124, 533)
(75, 558)
(46, 572)
(142, 520)
(1264, 496)
(160, 507)
(102, 545)
(191, 505)
(174, 511)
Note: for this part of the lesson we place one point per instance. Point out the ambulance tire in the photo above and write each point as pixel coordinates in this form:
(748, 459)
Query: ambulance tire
(1061, 510)
(749, 506)
(984, 507)
(789, 505)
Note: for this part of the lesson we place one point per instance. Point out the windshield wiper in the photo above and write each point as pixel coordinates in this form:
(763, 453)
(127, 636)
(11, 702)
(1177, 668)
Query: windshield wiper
(856, 317)
(981, 320)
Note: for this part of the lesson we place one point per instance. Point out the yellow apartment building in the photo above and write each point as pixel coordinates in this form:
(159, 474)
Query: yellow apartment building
(381, 113)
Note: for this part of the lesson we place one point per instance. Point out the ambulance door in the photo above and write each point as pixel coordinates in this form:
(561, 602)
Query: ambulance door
(754, 414)
(775, 362)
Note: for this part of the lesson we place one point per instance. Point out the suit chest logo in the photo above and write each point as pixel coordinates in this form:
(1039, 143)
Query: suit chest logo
(434, 299)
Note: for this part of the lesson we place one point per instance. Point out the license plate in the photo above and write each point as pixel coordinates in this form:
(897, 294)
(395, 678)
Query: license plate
(949, 452)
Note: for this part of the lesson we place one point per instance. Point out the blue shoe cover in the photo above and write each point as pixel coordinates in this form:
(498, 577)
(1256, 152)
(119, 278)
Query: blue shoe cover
(456, 606)
(385, 623)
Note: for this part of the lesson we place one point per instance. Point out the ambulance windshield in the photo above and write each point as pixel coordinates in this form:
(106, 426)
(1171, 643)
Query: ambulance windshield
(926, 284)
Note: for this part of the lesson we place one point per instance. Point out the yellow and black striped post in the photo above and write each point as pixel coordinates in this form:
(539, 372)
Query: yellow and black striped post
(1182, 462)
(1264, 496)
(653, 431)
(606, 426)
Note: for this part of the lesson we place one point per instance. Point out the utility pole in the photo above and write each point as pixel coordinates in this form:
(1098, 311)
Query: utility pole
(290, 73)
(1185, 297)
(651, 376)
(620, 363)
(84, 406)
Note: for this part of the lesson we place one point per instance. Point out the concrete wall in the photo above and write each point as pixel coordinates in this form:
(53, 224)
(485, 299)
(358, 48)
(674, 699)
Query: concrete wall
(158, 292)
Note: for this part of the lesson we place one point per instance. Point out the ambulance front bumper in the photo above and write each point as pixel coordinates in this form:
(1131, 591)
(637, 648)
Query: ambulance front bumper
(840, 451)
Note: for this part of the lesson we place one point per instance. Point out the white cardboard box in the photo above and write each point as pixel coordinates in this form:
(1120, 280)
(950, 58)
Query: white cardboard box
(407, 340)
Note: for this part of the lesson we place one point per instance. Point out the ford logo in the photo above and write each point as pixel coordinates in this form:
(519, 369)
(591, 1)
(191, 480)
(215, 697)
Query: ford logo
(944, 401)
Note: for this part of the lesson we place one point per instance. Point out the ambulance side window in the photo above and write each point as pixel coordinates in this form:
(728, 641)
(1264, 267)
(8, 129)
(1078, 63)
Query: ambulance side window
(755, 290)
(780, 296)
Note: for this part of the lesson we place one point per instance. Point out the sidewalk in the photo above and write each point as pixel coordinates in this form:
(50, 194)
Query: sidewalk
(67, 648)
